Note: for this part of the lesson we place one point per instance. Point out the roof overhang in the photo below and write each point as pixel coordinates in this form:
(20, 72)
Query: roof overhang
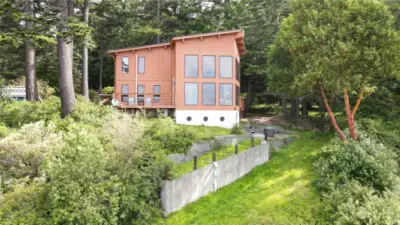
(149, 47)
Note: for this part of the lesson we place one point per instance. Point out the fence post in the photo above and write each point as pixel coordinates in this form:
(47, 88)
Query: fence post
(236, 149)
(195, 162)
(214, 157)
(252, 142)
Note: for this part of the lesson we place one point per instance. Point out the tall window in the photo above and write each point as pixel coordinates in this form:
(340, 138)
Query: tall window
(125, 64)
(191, 93)
(208, 93)
(237, 70)
(125, 92)
(156, 92)
(141, 64)
(225, 94)
(191, 65)
(237, 95)
(225, 67)
(208, 66)
(140, 90)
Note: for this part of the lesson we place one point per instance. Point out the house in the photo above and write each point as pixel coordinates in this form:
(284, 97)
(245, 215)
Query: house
(15, 92)
(194, 77)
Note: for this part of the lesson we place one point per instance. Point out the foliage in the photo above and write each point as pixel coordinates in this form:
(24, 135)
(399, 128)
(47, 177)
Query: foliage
(237, 129)
(89, 168)
(207, 133)
(108, 90)
(3, 130)
(354, 203)
(367, 161)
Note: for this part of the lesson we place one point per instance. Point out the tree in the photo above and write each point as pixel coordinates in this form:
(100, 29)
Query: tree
(65, 58)
(85, 69)
(337, 47)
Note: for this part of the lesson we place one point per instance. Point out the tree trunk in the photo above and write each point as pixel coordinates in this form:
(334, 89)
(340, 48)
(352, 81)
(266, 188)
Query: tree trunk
(249, 96)
(331, 116)
(85, 69)
(304, 107)
(294, 109)
(284, 104)
(350, 118)
(158, 19)
(30, 61)
(101, 60)
(65, 61)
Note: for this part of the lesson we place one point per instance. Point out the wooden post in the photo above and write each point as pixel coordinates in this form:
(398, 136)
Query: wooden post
(195, 162)
(252, 142)
(214, 157)
(236, 149)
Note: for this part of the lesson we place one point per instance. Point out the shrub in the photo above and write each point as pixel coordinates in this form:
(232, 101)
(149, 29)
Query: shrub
(108, 90)
(354, 203)
(3, 130)
(368, 162)
(237, 129)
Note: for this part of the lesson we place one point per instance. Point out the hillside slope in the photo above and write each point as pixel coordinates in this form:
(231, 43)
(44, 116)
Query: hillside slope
(278, 192)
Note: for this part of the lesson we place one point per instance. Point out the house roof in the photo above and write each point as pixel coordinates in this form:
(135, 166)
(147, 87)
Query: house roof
(239, 39)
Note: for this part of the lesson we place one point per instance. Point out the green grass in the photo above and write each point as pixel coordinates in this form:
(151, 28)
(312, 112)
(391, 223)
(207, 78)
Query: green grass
(278, 192)
(204, 160)
(207, 133)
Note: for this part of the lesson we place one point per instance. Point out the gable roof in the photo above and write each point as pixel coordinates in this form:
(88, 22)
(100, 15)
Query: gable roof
(239, 39)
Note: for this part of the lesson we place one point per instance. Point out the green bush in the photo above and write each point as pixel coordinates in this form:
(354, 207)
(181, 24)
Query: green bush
(3, 130)
(108, 90)
(237, 129)
(354, 203)
(367, 161)
(90, 168)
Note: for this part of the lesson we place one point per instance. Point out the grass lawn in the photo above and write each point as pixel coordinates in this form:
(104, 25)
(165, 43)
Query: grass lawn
(207, 133)
(221, 153)
(278, 192)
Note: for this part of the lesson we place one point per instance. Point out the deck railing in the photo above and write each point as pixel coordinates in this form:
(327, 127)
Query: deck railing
(145, 99)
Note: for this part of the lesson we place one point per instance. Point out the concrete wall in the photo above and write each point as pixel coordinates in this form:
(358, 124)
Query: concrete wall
(177, 193)
(220, 118)
(201, 148)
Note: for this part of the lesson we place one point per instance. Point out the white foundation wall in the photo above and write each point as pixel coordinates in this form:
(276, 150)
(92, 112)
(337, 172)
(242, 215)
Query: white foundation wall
(231, 117)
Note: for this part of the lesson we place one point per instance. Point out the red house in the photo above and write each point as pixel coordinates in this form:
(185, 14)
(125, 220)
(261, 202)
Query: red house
(196, 77)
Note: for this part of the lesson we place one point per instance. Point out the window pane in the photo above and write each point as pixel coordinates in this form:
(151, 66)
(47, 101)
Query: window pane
(125, 64)
(237, 70)
(191, 65)
(208, 66)
(125, 98)
(141, 65)
(124, 89)
(156, 89)
(225, 94)
(191, 92)
(156, 98)
(225, 66)
(208, 94)
(140, 89)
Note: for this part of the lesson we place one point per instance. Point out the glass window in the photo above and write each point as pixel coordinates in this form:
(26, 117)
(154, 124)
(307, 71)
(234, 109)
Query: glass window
(125, 64)
(237, 95)
(156, 89)
(191, 93)
(140, 89)
(225, 67)
(156, 98)
(141, 62)
(191, 65)
(208, 66)
(125, 98)
(237, 70)
(225, 94)
(208, 93)
(124, 89)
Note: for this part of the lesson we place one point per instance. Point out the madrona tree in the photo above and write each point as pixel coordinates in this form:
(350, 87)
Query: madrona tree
(336, 48)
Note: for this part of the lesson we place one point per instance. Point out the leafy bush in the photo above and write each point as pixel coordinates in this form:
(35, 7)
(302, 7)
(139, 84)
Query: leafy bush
(354, 203)
(3, 130)
(108, 90)
(90, 168)
(237, 129)
(367, 161)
